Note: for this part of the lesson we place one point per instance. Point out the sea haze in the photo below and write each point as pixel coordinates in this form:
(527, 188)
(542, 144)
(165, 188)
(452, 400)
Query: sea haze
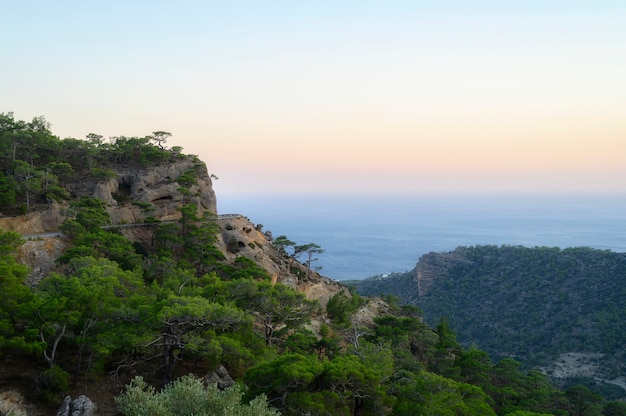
(372, 235)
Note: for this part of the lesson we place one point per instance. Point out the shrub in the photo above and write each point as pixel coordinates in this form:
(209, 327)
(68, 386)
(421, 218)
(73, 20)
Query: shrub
(52, 384)
(188, 396)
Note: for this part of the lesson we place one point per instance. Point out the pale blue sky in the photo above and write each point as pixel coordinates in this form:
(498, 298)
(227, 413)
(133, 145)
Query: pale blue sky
(358, 96)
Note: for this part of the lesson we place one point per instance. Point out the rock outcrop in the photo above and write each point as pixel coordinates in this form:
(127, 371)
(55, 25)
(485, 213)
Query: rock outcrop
(220, 377)
(36, 222)
(132, 195)
(81, 406)
(138, 192)
(240, 237)
(12, 403)
(433, 265)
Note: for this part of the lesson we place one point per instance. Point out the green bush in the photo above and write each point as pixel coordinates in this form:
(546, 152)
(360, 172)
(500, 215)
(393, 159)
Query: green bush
(52, 384)
(188, 396)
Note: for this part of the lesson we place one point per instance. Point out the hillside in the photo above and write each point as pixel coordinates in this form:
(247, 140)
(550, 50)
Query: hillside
(123, 288)
(540, 305)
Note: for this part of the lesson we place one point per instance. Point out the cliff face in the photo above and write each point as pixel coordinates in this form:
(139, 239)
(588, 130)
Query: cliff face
(154, 186)
(433, 265)
(240, 237)
(135, 193)
(132, 195)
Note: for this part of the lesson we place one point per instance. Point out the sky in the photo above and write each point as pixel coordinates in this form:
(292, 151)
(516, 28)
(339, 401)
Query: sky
(338, 96)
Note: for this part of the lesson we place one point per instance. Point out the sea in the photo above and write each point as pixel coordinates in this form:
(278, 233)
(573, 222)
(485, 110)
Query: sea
(376, 235)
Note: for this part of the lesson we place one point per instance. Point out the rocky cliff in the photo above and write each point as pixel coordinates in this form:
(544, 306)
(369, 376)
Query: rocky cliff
(240, 237)
(433, 265)
(131, 195)
(152, 191)
(134, 193)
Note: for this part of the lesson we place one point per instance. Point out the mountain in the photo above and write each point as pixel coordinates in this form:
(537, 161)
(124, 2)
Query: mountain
(561, 310)
(122, 285)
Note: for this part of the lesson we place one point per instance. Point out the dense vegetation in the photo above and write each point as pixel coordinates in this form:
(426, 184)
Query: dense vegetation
(530, 303)
(36, 166)
(174, 310)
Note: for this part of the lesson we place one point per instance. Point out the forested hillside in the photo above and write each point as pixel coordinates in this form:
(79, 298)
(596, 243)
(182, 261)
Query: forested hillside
(169, 325)
(534, 304)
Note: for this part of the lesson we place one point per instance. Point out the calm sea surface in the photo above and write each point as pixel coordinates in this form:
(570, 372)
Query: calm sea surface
(366, 236)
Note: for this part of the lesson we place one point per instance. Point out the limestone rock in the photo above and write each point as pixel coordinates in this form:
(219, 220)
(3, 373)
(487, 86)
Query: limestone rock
(157, 185)
(12, 403)
(35, 222)
(41, 255)
(433, 265)
(81, 406)
(240, 237)
(221, 377)
(136, 187)
(64, 408)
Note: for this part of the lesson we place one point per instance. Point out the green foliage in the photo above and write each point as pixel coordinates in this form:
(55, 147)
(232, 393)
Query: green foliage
(188, 396)
(198, 235)
(532, 303)
(233, 245)
(340, 307)
(287, 374)
(99, 173)
(187, 179)
(102, 243)
(615, 408)
(52, 384)
(243, 268)
(582, 402)
(86, 308)
(174, 305)
(430, 394)
(348, 384)
(91, 213)
(412, 341)
(8, 191)
(277, 307)
(16, 299)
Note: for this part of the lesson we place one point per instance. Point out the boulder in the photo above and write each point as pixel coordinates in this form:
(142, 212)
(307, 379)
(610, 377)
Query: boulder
(221, 377)
(81, 406)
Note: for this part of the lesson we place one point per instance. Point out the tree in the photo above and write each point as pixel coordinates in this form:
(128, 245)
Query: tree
(85, 306)
(91, 213)
(360, 379)
(583, 402)
(278, 308)
(410, 338)
(310, 249)
(282, 377)
(200, 238)
(160, 138)
(282, 244)
(8, 187)
(615, 408)
(184, 323)
(16, 299)
(28, 181)
(474, 367)
(447, 349)
(93, 145)
(430, 394)
(340, 307)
